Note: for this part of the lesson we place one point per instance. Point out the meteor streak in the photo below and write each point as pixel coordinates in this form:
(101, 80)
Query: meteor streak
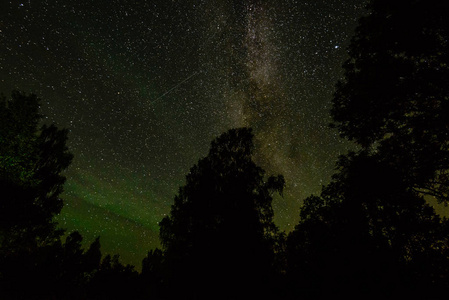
(173, 88)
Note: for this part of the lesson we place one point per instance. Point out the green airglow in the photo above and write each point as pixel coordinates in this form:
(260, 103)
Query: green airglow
(124, 211)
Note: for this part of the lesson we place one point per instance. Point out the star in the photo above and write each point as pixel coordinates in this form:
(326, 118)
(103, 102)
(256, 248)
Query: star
(144, 89)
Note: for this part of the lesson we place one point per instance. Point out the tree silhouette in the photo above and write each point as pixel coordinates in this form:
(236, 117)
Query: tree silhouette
(52, 271)
(32, 158)
(34, 263)
(153, 274)
(371, 233)
(395, 97)
(368, 235)
(113, 280)
(219, 236)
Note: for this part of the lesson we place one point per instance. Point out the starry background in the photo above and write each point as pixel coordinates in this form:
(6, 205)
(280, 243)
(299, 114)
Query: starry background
(144, 86)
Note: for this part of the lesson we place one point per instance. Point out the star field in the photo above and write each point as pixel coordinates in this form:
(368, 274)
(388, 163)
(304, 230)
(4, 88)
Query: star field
(144, 86)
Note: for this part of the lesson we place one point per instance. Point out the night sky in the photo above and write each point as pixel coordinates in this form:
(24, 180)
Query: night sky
(144, 86)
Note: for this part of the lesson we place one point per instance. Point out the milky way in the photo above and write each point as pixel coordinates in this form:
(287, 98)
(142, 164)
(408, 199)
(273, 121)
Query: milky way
(144, 86)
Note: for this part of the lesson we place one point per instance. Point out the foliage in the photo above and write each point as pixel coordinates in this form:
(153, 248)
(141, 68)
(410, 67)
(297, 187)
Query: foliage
(113, 280)
(220, 230)
(59, 270)
(32, 158)
(369, 234)
(395, 97)
(154, 274)
(34, 262)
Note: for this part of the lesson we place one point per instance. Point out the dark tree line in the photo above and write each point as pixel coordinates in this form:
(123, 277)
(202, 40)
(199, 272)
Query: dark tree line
(369, 234)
